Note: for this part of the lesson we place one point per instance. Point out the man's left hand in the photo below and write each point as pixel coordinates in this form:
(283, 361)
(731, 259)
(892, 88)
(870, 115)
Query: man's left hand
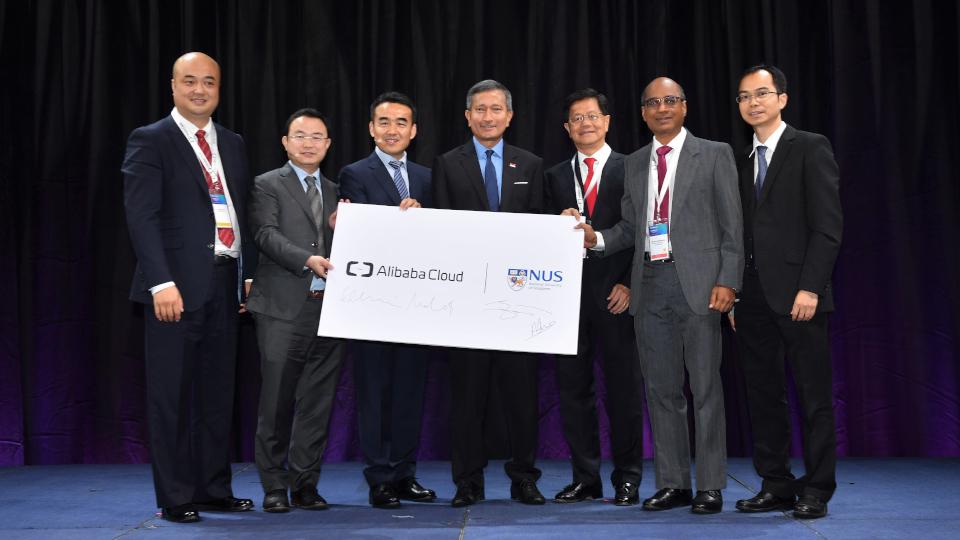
(409, 202)
(619, 299)
(804, 306)
(722, 298)
(246, 293)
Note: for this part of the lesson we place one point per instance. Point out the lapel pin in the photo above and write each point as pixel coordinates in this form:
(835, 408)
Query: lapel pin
(513, 165)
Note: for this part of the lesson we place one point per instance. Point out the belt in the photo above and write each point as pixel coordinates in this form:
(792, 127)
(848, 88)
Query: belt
(223, 259)
(315, 294)
(646, 258)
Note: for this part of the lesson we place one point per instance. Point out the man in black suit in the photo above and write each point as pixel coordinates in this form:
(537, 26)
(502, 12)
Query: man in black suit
(389, 378)
(488, 175)
(592, 182)
(290, 211)
(185, 187)
(789, 185)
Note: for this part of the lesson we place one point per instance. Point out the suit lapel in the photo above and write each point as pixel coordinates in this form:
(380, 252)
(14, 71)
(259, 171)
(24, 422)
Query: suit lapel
(289, 180)
(383, 178)
(329, 205)
(186, 152)
(613, 165)
(781, 154)
(748, 194)
(688, 164)
(471, 169)
(509, 176)
(229, 159)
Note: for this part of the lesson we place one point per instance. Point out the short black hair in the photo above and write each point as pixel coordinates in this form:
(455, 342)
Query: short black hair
(779, 79)
(586, 93)
(393, 97)
(309, 112)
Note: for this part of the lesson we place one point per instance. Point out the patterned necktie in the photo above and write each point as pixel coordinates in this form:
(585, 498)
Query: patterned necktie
(316, 204)
(214, 186)
(761, 169)
(663, 212)
(490, 183)
(591, 193)
(398, 180)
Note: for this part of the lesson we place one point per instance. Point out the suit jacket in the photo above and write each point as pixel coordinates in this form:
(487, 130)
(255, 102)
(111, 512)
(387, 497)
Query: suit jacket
(794, 230)
(169, 213)
(367, 181)
(706, 225)
(284, 229)
(600, 274)
(458, 181)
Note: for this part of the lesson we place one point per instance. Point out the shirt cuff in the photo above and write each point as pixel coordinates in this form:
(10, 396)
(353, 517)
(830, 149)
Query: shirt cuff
(157, 288)
(600, 245)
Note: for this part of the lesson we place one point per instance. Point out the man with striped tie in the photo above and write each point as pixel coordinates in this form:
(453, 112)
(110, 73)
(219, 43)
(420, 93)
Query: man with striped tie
(290, 211)
(389, 378)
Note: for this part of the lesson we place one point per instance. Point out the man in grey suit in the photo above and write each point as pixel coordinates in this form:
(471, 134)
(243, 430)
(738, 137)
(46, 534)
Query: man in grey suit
(681, 213)
(290, 211)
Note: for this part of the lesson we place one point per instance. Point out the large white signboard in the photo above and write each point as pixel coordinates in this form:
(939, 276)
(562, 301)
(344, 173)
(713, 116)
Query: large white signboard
(480, 280)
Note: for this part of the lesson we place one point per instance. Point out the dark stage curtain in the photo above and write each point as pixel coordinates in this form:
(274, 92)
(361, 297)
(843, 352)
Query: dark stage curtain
(879, 79)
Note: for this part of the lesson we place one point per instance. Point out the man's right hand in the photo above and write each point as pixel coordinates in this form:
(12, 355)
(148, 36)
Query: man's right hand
(589, 235)
(319, 265)
(168, 304)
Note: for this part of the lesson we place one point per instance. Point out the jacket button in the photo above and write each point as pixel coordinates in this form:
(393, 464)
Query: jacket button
(209, 246)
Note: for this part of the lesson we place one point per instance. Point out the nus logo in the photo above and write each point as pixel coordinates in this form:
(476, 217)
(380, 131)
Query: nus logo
(361, 269)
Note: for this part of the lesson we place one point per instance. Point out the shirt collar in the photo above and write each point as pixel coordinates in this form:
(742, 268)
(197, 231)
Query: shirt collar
(387, 158)
(482, 150)
(302, 174)
(190, 130)
(675, 143)
(772, 140)
(601, 155)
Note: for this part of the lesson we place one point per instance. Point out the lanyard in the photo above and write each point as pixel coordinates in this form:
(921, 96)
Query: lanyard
(661, 193)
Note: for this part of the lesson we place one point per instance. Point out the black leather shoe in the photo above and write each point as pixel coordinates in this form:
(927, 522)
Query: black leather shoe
(765, 502)
(626, 494)
(668, 498)
(577, 492)
(383, 496)
(307, 498)
(275, 501)
(409, 489)
(707, 502)
(226, 504)
(526, 492)
(466, 495)
(185, 513)
(809, 507)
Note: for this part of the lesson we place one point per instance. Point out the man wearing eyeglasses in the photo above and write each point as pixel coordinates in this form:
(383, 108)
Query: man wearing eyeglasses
(592, 181)
(487, 174)
(290, 211)
(389, 378)
(793, 223)
(681, 212)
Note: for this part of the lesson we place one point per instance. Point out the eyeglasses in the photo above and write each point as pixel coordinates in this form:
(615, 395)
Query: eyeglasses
(579, 118)
(759, 94)
(669, 101)
(305, 138)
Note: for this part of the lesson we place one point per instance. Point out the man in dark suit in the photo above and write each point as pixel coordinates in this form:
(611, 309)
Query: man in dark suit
(389, 378)
(789, 184)
(488, 175)
(290, 211)
(592, 181)
(185, 187)
(681, 212)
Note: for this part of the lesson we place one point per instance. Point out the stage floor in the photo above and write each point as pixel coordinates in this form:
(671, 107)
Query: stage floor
(876, 498)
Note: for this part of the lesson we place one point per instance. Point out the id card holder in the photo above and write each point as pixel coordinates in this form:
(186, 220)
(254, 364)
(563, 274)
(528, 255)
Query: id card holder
(659, 235)
(221, 213)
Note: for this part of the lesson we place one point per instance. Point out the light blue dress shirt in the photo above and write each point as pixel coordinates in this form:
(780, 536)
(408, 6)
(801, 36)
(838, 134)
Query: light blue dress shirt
(497, 161)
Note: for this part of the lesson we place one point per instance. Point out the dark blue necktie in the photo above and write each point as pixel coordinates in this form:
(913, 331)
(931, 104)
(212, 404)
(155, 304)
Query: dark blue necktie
(490, 182)
(761, 169)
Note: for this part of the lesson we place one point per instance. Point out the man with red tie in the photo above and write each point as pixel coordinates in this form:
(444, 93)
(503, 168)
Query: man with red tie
(592, 181)
(185, 186)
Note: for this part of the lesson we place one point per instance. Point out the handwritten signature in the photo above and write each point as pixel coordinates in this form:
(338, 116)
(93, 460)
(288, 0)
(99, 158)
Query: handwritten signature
(356, 296)
(507, 311)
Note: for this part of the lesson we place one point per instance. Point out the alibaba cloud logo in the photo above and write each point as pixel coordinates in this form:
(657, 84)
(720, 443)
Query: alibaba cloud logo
(366, 269)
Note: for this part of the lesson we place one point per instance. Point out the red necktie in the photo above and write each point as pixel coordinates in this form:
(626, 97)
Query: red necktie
(664, 212)
(591, 194)
(225, 233)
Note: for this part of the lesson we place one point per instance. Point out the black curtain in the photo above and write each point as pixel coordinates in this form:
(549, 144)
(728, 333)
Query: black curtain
(879, 79)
